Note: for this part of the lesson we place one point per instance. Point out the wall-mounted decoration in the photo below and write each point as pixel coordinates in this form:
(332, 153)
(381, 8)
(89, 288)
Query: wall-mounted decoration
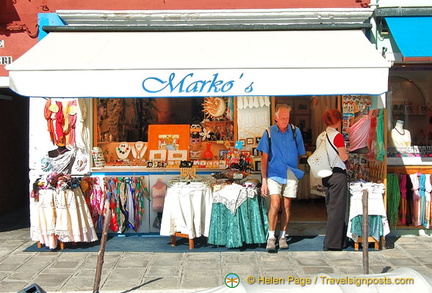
(180, 155)
(214, 107)
(169, 137)
(157, 155)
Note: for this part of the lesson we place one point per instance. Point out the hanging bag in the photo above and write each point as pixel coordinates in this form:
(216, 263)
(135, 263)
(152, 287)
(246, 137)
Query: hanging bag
(319, 160)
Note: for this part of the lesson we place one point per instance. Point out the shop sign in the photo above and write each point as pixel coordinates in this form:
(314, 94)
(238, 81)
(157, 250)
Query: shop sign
(182, 83)
(5, 60)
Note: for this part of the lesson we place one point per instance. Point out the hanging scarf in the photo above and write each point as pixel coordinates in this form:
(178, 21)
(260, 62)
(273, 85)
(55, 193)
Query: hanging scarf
(409, 191)
(393, 199)
(112, 199)
(48, 116)
(404, 204)
(121, 203)
(428, 189)
(422, 193)
(416, 207)
(129, 205)
(380, 151)
(72, 110)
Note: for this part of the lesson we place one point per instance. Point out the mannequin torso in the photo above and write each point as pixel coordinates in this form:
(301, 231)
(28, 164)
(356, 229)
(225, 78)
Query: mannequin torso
(400, 137)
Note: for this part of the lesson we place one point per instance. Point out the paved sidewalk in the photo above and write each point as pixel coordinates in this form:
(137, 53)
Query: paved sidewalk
(59, 271)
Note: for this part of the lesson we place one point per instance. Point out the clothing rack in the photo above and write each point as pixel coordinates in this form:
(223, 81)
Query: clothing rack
(188, 175)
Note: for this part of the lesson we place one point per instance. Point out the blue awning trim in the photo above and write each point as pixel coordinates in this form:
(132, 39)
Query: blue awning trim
(413, 35)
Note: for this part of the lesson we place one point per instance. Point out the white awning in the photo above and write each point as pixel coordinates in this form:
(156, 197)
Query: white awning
(200, 63)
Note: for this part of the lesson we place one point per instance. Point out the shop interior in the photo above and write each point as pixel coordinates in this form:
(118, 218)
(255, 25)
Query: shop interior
(130, 120)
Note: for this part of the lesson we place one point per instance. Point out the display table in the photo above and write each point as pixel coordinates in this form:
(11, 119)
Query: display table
(239, 216)
(61, 215)
(378, 225)
(187, 210)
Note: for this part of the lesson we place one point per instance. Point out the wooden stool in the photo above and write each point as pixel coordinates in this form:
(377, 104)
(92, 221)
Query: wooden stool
(377, 244)
(182, 235)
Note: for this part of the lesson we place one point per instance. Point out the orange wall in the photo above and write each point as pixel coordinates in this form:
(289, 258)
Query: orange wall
(25, 13)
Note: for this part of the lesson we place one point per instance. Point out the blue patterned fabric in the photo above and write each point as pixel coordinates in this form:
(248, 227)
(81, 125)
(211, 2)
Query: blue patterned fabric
(375, 227)
(249, 225)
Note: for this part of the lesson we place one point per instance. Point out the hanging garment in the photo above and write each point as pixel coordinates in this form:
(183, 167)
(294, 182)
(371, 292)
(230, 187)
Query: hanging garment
(380, 147)
(404, 203)
(428, 189)
(72, 110)
(409, 192)
(121, 205)
(112, 199)
(129, 205)
(159, 190)
(393, 198)
(416, 203)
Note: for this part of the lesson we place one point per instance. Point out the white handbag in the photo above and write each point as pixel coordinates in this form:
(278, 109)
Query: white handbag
(319, 160)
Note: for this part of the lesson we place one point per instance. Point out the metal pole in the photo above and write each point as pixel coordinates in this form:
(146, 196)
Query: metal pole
(365, 232)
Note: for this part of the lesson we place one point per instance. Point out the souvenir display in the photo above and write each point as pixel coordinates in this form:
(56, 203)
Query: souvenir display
(123, 150)
(98, 157)
(139, 149)
(214, 107)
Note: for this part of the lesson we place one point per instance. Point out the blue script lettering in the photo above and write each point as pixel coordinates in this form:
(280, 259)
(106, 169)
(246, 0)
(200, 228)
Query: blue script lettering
(249, 89)
(185, 85)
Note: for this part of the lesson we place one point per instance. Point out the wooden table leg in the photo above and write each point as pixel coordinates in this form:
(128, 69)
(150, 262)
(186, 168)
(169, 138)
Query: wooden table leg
(39, 245)
(182, 235)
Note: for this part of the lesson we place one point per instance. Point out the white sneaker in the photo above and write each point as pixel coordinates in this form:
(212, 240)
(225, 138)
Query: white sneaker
(283, 243)
(271, 244)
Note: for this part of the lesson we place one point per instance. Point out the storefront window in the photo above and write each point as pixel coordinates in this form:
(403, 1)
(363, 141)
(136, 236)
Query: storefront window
(409, 116)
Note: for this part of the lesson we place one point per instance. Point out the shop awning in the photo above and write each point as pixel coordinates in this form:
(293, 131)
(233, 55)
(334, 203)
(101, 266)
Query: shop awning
(197, 64)
(413, 36)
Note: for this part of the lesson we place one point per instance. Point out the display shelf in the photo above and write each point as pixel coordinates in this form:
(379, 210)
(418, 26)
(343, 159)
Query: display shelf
(410, 161)
(410, 169)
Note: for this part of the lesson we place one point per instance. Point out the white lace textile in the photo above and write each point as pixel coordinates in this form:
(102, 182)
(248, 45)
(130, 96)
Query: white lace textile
(232, 196)
(62, 215)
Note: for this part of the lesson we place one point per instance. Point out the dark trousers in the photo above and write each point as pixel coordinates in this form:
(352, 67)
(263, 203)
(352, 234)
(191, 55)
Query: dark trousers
(336, 190)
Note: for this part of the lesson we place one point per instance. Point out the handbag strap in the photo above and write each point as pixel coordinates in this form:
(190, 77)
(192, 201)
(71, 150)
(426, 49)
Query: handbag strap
(331, 166)
(332, 144)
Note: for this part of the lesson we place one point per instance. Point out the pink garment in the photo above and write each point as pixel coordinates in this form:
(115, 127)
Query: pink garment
(416, 204)
(358, 133)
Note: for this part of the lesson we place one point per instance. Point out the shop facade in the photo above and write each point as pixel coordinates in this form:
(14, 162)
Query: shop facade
(92, 71)
(403, 36)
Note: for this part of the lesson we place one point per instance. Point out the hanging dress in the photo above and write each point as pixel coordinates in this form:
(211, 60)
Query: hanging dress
(416, 203)
(404, 204)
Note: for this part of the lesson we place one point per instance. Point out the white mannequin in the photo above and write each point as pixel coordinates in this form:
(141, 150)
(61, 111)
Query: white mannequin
(400, 137)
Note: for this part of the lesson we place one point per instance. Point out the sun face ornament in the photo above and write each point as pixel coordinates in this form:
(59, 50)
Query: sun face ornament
(214, 107)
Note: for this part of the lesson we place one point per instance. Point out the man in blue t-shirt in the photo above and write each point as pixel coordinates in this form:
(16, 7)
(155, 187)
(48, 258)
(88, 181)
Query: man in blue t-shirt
(280, 172)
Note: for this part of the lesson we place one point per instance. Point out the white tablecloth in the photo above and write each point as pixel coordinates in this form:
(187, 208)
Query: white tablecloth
(375, 204)
(187, 209)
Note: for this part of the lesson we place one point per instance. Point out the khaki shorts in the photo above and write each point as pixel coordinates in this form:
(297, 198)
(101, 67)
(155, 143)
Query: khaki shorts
(287, 190)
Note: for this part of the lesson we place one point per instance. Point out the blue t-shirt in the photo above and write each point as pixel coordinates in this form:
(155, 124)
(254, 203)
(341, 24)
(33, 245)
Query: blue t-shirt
(283, 154)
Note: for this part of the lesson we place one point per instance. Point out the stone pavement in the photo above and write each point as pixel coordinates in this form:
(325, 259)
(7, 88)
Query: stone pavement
(57, 271)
